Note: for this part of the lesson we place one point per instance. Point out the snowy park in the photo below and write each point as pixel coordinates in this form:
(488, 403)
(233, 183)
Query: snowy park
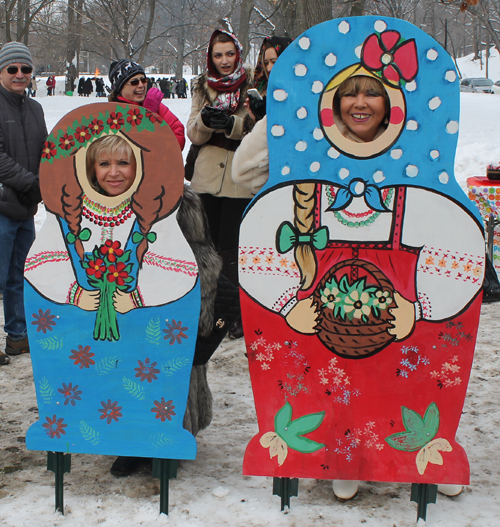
(211, 490)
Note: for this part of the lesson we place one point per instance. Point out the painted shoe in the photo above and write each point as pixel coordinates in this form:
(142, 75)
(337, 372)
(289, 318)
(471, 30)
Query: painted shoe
(450, 490)
(17, 347)
(345, 490)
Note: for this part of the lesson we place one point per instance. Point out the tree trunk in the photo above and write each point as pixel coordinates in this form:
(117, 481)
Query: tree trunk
(243, 36)
(147, 36)
(181, 42)
(312, 12)
(357, 8)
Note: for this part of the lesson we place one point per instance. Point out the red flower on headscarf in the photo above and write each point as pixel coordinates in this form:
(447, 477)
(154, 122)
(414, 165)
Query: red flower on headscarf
(82, 134)
(115, 121)
(49, 150)
(394, 60)
(134, 117)
(66, 142)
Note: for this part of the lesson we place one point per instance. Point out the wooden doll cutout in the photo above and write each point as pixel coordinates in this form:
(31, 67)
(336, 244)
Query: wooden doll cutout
(361, 265)
(113, 293)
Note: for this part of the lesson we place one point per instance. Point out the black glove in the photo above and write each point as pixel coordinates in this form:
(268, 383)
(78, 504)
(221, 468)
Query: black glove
(32, 196)
(258, 107)
(214, 118)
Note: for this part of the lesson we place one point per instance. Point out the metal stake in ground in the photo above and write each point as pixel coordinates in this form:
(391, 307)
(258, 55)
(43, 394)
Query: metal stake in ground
(423, 494)
(59, 463)
(164, 469)
(286, 488)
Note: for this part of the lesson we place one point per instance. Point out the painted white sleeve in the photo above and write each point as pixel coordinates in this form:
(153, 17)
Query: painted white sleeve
(48, 267)
(269, 277)
(169, 269)
(450, 266)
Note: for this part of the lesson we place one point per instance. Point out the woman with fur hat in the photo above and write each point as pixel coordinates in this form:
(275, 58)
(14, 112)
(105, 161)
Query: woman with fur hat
(217, 123)
(129, 86)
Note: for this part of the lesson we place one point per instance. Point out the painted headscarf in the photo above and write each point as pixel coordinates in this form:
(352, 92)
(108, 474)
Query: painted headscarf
(279, 44)
(228, 87)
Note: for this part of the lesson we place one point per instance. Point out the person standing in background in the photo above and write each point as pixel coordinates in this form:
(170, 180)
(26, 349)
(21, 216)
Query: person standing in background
(22, 136)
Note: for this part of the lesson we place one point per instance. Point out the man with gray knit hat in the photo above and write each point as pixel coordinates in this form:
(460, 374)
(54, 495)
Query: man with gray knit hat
(22, 136)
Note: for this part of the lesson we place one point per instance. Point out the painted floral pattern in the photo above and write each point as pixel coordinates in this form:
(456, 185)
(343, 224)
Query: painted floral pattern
(147, 371)
(71, 393)
(163, 409)
(175, 332)
(110, 411)
(54, 427)
(82, 357)
(44, 320)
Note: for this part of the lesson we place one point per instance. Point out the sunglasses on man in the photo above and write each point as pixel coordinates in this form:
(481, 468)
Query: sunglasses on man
(12, 70)
(135, 82)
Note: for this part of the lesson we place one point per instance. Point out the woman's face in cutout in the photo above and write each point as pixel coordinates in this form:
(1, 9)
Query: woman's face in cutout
(363, 112)
(224, 57)
(115, 173)
(270, 57)
(137, 93)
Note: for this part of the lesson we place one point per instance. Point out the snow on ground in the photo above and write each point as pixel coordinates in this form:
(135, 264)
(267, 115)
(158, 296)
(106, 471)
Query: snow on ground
(211, 491)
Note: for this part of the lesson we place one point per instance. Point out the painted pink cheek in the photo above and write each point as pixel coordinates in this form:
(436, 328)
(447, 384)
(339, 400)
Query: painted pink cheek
(397, 115)
(327, 117)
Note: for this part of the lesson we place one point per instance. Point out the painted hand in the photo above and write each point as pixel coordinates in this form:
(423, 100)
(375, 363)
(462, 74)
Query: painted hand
(303, 316)
(122, 302)
(404, 315)
(89, 300)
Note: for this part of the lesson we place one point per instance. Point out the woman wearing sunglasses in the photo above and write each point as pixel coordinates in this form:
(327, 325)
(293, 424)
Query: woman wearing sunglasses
(129, 85)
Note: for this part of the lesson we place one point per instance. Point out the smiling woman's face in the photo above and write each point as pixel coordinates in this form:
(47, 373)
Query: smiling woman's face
(115, 173)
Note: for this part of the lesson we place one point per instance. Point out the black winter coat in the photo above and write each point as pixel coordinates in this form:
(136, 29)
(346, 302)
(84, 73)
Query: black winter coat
(22, 136)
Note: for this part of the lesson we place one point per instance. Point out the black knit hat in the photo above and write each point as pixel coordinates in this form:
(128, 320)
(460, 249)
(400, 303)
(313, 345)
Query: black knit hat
(121, 71)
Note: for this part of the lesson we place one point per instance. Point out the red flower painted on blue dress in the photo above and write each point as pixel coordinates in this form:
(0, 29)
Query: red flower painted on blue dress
(96, 126)
(82, 357)
(44, 320)
(49, 150)
(82, 134)
(54, 427)
(66, 142)
(146, 371)
(115, 120)
(96, 268)
(117, 273)
(111, 250)
(71, 393)
(110, 411)
(134, 117)
(175, 332)
(164, 410)
(389, 56)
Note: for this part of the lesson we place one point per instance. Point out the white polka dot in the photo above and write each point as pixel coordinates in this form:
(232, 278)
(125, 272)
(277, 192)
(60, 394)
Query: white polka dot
(434, 103)
(411, 86)
(344, 27)
(450, 76)
(315, 166)
(300, 70)
(444, 177)
(343, 173)
(397, 153)
(434, 154)
(302, 113)
(330, 59)
(304, 42)
(318, 134)
(378, 176)
(380, 26)
(285, 170)
(334, 154)
(280, 95)
(317, 87)
(301, 146)
(411, 171)
(412, 125)
(357, 51)
(452, 127)
(277, 130)
(432, 54)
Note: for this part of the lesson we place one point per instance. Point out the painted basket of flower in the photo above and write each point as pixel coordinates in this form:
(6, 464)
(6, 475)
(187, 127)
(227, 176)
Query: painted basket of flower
(354, 311)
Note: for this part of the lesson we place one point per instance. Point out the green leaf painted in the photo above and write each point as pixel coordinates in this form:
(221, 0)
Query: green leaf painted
(283, 418)
(305, 424)
(174, 365)
(51, 343)
(46, 391)
(89, 434)
(419, 431)
(161, 440)
(134, 389)
(153, 331)
(304, 445)
(105, 365)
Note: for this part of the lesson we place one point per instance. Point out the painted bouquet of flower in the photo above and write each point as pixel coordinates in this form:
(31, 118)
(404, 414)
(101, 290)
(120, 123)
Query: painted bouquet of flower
(108, 269)
(355, 301)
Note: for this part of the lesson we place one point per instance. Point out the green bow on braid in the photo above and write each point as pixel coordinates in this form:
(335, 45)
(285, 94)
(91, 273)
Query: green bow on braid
(289, 237)
(84, 235)
(137, 237)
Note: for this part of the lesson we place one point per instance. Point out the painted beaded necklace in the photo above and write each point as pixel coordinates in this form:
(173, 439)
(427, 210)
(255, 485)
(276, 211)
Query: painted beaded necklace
(370, 215)
(106, 216)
